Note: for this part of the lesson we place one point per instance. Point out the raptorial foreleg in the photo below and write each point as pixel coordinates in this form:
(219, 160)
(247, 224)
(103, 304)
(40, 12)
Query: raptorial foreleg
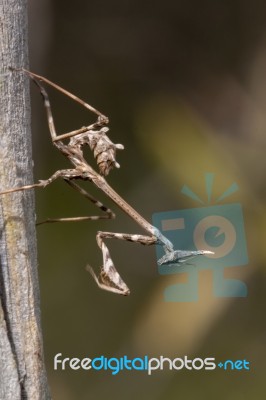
(109, 279)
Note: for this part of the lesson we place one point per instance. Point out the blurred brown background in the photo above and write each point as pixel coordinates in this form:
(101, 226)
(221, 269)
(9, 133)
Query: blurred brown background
(184, 85)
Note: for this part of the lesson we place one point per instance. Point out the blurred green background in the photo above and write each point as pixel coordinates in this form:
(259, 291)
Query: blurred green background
(183, 83)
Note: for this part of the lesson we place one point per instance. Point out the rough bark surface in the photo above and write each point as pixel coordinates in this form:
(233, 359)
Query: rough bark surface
(22, 371)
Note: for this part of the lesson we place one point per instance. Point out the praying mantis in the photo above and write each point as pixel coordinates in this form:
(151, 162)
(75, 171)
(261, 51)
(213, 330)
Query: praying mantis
(104, 150)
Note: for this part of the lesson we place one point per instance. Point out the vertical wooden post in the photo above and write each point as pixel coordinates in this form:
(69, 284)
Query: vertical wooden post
(22, 371)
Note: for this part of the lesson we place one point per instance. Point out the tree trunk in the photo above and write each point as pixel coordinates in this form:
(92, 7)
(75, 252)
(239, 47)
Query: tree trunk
(22, 371)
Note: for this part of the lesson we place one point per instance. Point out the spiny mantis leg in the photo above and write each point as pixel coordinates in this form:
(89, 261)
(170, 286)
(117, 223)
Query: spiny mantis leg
(102, 119)
(64, 173)
(109, 214)
(67, 174)
(103, 149)
(109, 279)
